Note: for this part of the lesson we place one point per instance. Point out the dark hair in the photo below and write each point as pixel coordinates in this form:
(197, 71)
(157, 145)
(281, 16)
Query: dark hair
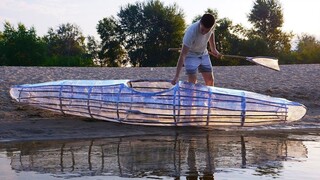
(207, 20)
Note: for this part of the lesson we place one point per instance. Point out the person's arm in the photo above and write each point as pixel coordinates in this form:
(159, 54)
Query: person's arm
(183, 53)
(213, 49)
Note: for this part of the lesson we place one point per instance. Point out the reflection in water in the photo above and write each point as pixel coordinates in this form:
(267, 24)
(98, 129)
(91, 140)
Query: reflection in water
(188, 155)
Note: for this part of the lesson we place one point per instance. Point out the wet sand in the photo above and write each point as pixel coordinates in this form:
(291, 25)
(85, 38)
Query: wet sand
(18, 122)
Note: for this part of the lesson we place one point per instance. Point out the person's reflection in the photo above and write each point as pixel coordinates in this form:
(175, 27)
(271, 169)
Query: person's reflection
(193, 173)
(208, 171)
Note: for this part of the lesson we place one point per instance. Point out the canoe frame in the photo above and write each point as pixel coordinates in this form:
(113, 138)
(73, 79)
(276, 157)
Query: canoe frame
(156, 102)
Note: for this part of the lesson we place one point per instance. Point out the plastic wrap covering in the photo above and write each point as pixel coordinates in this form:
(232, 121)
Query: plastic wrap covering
(158, 103)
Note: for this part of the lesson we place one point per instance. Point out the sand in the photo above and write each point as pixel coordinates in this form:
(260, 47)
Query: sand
(300, 83)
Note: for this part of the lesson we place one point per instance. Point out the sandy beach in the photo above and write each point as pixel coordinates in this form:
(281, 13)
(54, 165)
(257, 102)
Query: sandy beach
(300, 83)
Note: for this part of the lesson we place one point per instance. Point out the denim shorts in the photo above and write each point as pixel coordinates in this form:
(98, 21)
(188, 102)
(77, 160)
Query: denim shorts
(200, 63)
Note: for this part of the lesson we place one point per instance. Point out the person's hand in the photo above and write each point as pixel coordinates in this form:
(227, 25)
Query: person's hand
(174, 81)
(216, 54)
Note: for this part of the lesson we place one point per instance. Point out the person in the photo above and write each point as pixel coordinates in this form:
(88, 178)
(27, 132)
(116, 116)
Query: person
(194, 54)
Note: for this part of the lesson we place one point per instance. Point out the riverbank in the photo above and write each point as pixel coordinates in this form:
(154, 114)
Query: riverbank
(298, 83)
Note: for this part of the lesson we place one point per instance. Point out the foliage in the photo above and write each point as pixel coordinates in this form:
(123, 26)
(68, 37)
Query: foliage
(2, 49)
(93, 49)
(69, 61)
(131, 27)
(308, 49)
(111, 52)
(20, 46)
(164, 28)
(142, 32)
(66, 47)
(148, 30)
(267, 19)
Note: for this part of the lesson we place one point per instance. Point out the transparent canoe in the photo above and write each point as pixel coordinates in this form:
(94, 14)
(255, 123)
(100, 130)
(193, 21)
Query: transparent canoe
(158, 103)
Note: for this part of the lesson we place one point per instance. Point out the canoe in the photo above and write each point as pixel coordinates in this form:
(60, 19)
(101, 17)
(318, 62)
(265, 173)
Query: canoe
(158, 103)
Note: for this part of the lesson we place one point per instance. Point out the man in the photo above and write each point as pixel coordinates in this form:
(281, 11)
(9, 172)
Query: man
(194, 54)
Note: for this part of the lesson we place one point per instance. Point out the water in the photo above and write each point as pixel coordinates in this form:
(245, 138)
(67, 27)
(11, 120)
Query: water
(182, 154)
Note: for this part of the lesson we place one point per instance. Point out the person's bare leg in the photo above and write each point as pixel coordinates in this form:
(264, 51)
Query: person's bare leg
(208, 78)
(192, 78)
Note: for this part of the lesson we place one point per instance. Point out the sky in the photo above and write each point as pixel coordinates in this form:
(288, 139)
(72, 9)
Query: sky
(300, 16)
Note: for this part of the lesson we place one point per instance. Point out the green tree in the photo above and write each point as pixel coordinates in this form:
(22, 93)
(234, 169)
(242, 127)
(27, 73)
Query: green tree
(2, 56)
(148, 30)
(132, 30)
(267, 19)
(164, 27)
(20, 46)
(308, 49)
(93, 48)
(66, 46)
(111, 52)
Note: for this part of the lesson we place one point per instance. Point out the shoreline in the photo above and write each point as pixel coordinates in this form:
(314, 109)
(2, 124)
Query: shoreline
(298, 83)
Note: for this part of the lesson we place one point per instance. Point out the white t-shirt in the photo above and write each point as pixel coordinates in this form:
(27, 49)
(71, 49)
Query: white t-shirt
(194, 40)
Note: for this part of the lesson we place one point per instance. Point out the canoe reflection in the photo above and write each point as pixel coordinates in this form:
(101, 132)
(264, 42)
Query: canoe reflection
(144, 156)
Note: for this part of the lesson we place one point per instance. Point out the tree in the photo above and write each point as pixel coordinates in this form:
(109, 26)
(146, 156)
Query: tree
(267, 19)
(2, 55)
(66, 40)
(131, 28)
(111, 52)
(308, 49)
(164, 28)
(66, 46)
(20, 46)
(148, 30)
(93, 48)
